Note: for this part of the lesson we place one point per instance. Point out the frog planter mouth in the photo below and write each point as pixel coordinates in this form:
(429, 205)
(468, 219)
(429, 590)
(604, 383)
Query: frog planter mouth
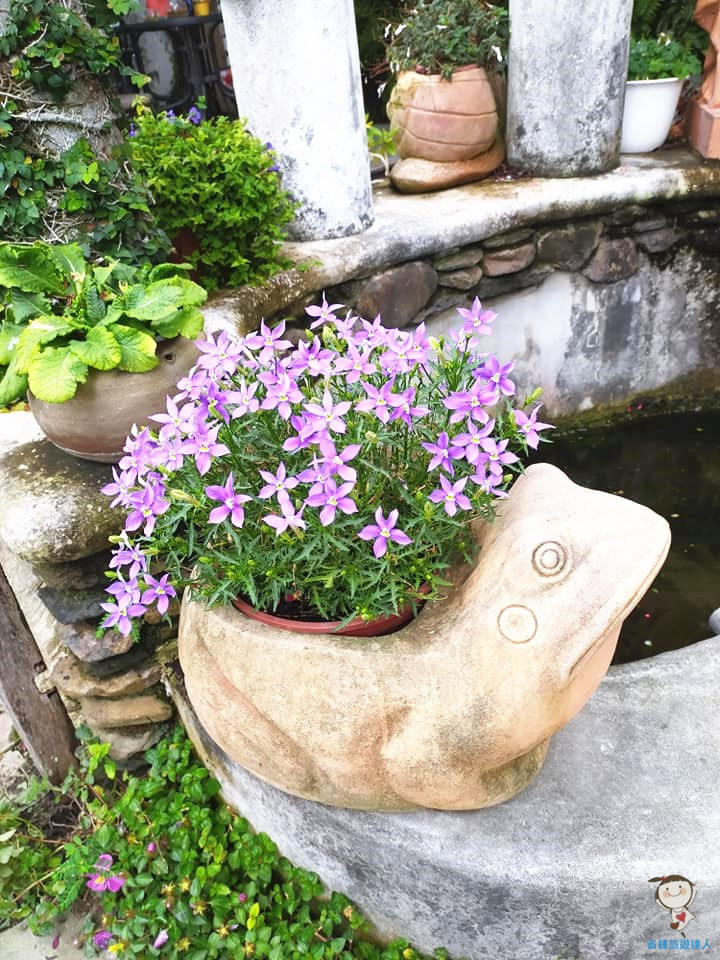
(454, 711)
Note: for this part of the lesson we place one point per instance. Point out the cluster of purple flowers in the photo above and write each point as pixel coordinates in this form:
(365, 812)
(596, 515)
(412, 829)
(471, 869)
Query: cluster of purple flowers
(354, 396)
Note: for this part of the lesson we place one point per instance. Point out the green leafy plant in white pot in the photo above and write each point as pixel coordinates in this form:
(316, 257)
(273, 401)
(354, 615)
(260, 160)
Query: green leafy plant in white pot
(657, 69)
(98, 344)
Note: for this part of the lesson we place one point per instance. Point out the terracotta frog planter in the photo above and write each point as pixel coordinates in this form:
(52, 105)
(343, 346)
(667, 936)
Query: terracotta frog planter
(455, 711)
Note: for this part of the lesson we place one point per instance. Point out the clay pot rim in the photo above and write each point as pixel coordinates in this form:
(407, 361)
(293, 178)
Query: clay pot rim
(355, 628)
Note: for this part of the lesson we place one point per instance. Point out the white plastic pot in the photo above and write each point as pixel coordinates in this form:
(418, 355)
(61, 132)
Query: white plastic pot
(649, 110)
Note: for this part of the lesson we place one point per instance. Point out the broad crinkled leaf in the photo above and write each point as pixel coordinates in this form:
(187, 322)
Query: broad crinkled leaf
(41, 330)
(55, 373)
(161, 298)
(13, 385)
(138, 348)
(70, 260)
(31, 269)
(187, 321)
(99, 349)
(25, 306)
(9, 336)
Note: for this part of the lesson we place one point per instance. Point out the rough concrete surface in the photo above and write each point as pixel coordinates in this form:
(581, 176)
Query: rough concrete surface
(628, 792)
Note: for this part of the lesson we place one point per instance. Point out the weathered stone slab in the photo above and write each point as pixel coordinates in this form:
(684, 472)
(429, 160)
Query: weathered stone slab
(706, 240)
(613, 260)
(657, 241)
(134, 711)
(81, 574)
(490, 287)
(75, 681)
(497, 263)
(467, 257)
(461, 279)
(510, 239)
(127, 743)
(538, 882)
(82, 640)
(569, 247)
(52, 510)
(71, 606)
(397, 294)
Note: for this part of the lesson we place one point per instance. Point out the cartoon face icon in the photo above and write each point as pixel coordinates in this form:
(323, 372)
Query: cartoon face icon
(674, 894)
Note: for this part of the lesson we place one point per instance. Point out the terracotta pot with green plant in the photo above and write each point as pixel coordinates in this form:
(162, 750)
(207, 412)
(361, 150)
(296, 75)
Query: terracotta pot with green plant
(99, 345)
(657, 68)
(449, 55)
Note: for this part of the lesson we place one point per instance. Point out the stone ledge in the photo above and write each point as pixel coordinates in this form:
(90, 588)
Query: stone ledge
(425, 225)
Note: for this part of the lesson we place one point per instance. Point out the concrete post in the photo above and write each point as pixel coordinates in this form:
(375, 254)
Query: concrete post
(566, 85)
(296, 73)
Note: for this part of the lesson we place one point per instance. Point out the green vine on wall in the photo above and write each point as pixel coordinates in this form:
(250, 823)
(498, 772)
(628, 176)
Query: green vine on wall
(48, 51)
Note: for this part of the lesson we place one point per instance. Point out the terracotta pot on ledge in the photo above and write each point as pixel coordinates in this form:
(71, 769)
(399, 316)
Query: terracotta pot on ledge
(94, 424)
(447, 131)
(456, 710)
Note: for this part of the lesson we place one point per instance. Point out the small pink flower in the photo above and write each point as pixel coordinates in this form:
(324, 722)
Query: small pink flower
(151, 847)
(242, 897)
(101, 939)
(160, 940)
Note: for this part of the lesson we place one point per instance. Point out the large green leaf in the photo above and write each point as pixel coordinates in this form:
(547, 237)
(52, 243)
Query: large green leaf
(31, 269)
(188, 321)
(9, 336)
(95, 308)
(162, 298)
(13, 386)
(138, 348)
(24, 306)
(100, 349)
(41, 330)
(70, 261)
(55, 373)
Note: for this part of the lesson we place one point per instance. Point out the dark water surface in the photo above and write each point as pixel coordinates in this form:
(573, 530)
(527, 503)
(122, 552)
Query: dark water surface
(670, 463)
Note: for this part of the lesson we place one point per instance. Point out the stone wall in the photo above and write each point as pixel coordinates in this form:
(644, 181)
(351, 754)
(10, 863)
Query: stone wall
(54, 529)
(604, 286)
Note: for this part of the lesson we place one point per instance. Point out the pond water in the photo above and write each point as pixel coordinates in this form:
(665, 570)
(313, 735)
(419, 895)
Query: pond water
(670, 463)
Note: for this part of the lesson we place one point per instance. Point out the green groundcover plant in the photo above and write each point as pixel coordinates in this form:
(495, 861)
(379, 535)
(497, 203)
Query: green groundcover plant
(63, 317)
(216, 185)
(342, 475)
(656, 59)
(165, 869)
(440, 35)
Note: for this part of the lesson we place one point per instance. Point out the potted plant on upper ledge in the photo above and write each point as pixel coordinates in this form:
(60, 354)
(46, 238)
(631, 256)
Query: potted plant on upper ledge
(656, 71)
(449, 55)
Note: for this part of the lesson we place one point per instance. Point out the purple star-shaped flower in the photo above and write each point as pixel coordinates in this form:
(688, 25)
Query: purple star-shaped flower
(281, 394)
(231, 503)
(204, 445)
(220, 355)
(127, 604)
(383, 531)
(451, 495)
(337, 462)
(443, 453)
(333, 498)
(148, 505)
(328, 415)
(243, 399)
(494, 455)
(158, 592)
(290, 517)
(324, 313)
(469, 442)
(495, 375)
(380, 402)
(476, 319)
(276, 483)
(470, 403)
(267, 341)
(530, 426)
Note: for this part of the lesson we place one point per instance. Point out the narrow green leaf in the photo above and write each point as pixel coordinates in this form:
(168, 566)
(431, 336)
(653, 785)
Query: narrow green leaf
(55, 373)
(95, 308)
(138, 348)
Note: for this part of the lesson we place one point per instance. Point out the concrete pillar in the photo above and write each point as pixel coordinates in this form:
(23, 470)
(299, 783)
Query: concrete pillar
(566, 85)
(296, 73)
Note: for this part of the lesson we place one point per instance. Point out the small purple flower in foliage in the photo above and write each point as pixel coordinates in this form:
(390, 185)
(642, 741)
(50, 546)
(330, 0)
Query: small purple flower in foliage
(470, 403)
(104, 861)
(354, 364)
(530, 426)
(495, 375)
(148, 505)
(383, 531)
(281, 394)
(101, 939)
(176, 420)
(476, 319)
(324, 313)
(132, 132)
(97, 883)
(115, 882)
(231, 503)
(194, 116)
(160, 940)
(311, 357)
(121, 488)
(443, 453)
(404, 409)
(126, 606)
(337, 462)
(380, 402)
(317, 474)
(451, 495)
(328, 415)
(495, 456)
(290, 517)
(268, 341)
(159, 592)
(128, 555)
(221, 355)
(203, 445)
(490, 482)
(333, 498)
(470, 442)
(276, 484)
(243, 399)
